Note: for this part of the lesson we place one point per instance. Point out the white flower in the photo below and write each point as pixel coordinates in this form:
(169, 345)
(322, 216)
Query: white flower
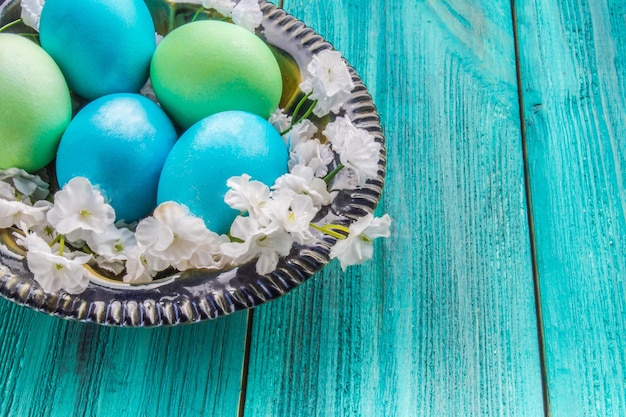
(312, 154)
(113, 244)
(357, 148)
(26, 184)
(137, 269)
(52, 271)
(304, 150)
(266, 243)
(328, 80)
(7, 192)
(31, 12)
(245, 195)
(208, 254)
(20, 214)
(280, 120)
(302, 180)
(294, 214)
(80, 210)
(302, 132)
(248, 14)
(112, 266)
(358, 247)
(43, 228)
(223, 7)
(170, 236)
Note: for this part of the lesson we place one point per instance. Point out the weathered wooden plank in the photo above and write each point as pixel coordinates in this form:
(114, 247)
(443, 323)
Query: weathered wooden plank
(574, 80)
(53, 367)
(443, 322)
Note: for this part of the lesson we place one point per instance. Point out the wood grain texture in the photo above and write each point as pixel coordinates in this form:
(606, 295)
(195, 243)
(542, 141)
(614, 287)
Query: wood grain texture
(442, 323)
(52, 367)
(573, 66)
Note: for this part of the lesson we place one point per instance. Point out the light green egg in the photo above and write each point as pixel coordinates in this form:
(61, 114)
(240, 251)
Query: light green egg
(207, 67)
(35, 104)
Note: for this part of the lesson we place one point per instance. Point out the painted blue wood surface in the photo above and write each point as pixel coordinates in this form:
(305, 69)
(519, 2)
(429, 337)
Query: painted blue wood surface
(443, 322)
(573, 67)
(56, 368)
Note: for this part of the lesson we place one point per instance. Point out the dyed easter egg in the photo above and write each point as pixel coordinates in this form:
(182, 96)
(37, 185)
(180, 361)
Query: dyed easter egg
(102, 46)
(213, 150)
(119, 142)
(207, 67)
(35, 104)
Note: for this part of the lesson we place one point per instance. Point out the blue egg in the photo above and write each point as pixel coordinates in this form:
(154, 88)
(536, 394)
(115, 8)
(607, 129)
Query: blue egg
(216, 148)
(101, 46)
(119, 142)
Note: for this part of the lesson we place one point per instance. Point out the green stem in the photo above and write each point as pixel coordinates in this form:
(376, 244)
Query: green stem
(331, 230)
(295, 112)
(56, 240)
(10, 24)
(87, 250)
(195, 16)
(280, 4)
(61, 245)
(235, 239)
(300, 104)
(328, 178)
(337, 228)
(308, 112)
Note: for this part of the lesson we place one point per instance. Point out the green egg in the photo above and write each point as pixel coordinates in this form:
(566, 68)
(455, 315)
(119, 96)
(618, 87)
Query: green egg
(207, 67)
(35, 104)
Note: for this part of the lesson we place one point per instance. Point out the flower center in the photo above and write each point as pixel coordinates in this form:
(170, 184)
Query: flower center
(48, 230)
(365, 239)
(59, 266)
(85, 213)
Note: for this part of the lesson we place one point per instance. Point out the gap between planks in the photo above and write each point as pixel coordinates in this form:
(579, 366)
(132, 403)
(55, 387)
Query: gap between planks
(246, 362)
(529, 213)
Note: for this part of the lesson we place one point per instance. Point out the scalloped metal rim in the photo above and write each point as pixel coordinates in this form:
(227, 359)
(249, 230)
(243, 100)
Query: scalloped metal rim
(200, 295)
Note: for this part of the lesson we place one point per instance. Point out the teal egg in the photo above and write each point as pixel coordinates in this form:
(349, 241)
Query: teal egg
(216, 148)
(119, 142)
(101, 46)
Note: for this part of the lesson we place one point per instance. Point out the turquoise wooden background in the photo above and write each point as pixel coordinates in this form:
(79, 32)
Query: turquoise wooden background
(501, 291)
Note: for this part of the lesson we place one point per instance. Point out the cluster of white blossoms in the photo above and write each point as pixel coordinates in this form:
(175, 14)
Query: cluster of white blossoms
(74, 227)
(246, 13)
(20, 195)
(78, 227)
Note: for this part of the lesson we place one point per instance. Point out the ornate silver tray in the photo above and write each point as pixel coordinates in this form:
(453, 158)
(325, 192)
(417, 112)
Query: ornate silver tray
(199, 295)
